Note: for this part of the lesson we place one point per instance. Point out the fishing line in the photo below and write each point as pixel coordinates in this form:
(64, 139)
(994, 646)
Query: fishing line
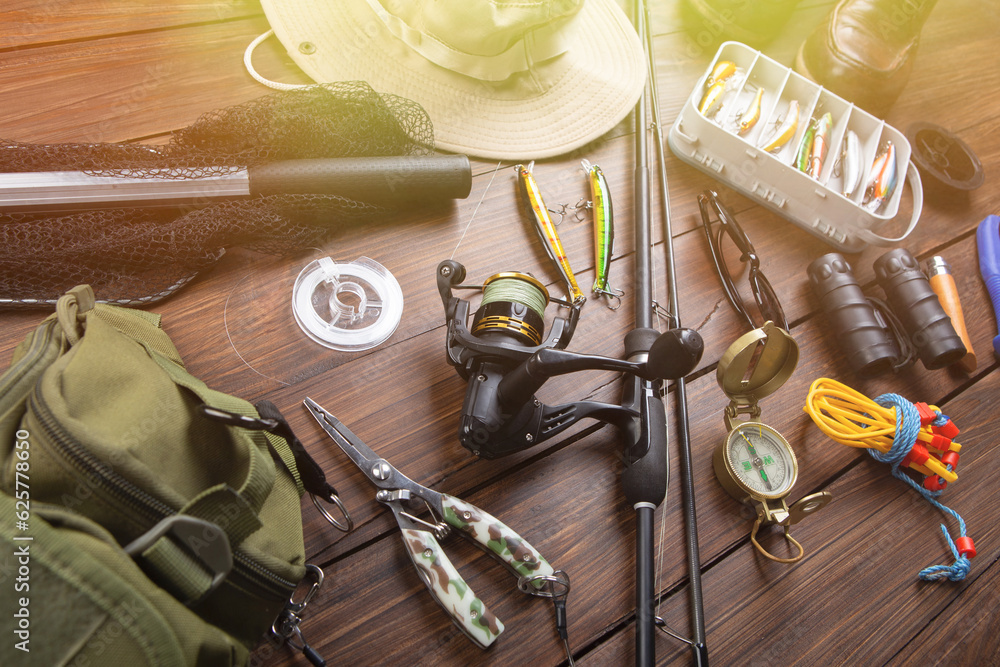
(347, 306)
(225, 323)
(475, 210)
(513, 303)
(516, 288)
(658, 620)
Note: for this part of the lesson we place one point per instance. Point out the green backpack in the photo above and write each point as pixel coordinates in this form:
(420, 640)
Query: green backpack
(146, 519)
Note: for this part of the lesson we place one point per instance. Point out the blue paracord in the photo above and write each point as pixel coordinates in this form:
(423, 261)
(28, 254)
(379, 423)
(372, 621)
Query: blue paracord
(907, 429)
(941, 419)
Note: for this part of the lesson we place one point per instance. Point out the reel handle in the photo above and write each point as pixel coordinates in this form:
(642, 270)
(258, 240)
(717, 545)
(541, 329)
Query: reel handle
(672, 354)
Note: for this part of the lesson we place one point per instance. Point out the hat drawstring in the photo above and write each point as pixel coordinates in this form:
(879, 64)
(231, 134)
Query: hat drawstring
(248, 63)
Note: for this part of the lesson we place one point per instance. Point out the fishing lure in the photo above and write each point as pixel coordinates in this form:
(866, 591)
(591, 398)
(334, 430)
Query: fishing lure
(881, 179)
(785, 131)
(805, 148)
(820, 145)
(750, 115)
(531, 196)
(850, 163)
(712, 98)
(722, 71)
(604, 231)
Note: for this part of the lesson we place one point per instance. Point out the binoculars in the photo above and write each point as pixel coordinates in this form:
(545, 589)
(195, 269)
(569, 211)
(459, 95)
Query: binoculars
(862, 325)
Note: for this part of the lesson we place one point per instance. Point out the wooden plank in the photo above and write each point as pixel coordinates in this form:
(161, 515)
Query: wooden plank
(89, 75)
(133, 85)
(964, 632)
(31, 23)
(729, 525)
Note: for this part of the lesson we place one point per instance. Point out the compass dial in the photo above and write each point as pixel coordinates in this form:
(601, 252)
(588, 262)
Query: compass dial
(760, 460)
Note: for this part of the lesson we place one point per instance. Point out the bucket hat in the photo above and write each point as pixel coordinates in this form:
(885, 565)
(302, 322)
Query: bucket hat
(503, 80)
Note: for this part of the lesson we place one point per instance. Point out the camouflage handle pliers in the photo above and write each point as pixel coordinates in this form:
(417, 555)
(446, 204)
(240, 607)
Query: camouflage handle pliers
(399, 492)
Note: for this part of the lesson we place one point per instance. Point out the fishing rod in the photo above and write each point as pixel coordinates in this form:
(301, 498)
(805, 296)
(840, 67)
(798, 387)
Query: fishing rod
(698, 645)
(505, 358)
(646, 474)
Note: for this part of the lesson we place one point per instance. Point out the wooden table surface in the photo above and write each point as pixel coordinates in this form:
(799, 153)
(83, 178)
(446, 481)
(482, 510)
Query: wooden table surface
(94, 70)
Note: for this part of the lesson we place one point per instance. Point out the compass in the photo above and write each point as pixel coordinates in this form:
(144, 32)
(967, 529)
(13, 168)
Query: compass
(754, 463)
(758, 461)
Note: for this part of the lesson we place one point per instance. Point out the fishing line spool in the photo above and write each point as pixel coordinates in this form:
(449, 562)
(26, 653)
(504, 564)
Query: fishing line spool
(347, 306)
(513, 306)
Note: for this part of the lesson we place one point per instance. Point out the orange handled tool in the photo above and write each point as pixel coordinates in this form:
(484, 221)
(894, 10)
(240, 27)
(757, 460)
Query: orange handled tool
(943, 284)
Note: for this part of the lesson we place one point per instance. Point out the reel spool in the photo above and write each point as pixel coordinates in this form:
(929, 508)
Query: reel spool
(513, 307)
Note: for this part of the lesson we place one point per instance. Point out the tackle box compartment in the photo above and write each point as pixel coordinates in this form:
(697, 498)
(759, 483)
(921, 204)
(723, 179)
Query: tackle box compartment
(712, 144)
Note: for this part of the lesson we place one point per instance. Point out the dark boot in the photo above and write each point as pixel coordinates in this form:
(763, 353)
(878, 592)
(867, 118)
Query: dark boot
(864, 50)
(753, 22)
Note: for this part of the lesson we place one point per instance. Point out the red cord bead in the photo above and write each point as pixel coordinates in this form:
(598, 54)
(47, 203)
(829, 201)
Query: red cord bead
(950, 459)
(948, 429)
(966, 547)
(926, 414)
(939, 442)
(934, 483)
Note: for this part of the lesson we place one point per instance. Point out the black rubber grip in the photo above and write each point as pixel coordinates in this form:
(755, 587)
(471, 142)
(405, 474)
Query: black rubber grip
(644, 478)
(376, 180)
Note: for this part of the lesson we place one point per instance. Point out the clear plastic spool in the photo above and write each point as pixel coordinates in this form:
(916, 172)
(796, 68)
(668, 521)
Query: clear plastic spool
(347, 306)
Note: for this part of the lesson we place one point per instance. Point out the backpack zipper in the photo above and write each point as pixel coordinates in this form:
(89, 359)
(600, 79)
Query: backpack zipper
(146, 505)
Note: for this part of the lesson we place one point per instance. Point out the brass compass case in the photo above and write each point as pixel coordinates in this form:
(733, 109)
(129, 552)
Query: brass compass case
(754, 463)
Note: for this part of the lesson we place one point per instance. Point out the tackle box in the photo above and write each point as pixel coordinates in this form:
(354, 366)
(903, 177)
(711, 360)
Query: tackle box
(712, 142)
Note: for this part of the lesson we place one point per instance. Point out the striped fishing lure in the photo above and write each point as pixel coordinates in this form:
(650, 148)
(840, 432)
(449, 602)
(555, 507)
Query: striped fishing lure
(604, 230)
(531, 196)
(881, 179)
(820, 145)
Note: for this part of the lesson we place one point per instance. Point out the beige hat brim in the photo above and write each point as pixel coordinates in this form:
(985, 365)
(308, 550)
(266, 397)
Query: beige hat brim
(577, 96)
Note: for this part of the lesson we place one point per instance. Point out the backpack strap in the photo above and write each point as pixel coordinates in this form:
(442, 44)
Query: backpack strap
(301, 465)
(191, 559)
(260, 472)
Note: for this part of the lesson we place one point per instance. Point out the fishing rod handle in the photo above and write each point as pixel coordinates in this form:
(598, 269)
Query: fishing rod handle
(672, 355)
(375, 180)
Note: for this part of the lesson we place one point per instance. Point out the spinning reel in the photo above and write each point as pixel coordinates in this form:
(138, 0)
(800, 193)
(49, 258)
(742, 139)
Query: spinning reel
(505, 358)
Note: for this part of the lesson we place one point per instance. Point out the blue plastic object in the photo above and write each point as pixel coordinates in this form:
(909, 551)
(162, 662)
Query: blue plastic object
(988, 239)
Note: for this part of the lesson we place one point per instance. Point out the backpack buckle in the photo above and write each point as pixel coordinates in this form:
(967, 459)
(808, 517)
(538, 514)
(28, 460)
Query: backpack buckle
(187, 538)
